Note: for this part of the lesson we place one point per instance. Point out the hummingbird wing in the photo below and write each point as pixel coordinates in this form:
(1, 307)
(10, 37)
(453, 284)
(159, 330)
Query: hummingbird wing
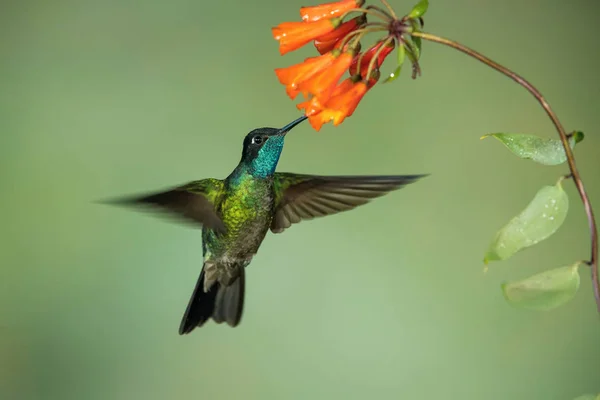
(193, 202)
(302, 197)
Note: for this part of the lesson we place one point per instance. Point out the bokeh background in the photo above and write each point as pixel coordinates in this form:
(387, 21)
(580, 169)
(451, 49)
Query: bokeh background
(105, 98)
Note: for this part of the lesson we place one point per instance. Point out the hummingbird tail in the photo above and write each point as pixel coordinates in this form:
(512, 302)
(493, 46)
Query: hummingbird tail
(229, 302)
(221, 303)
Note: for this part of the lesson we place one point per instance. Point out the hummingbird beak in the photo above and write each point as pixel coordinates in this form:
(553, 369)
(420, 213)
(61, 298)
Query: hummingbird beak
(291, 125)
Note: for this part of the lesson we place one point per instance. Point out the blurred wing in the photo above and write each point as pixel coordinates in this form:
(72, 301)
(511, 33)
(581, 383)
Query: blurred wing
(302, 197)
(193, 202)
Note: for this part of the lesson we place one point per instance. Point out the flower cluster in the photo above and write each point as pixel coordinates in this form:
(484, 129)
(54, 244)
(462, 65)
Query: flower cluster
(328, 98)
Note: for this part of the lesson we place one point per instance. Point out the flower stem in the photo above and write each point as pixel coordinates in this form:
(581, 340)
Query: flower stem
(390, 9)
(380, 10)
(381, 25)
(361, 32)
(375, 57)
(366, 11)
(593, 263)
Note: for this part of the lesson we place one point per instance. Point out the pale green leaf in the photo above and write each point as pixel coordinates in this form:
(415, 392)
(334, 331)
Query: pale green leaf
(539, 220)
(417, 42)
(415, 39)
(419, 10)
(401, 54)
(414, 48)
(411, 52)
(542, 150)
(544, 291)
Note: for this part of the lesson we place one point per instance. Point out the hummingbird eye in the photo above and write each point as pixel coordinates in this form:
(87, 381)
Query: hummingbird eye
(257, 140)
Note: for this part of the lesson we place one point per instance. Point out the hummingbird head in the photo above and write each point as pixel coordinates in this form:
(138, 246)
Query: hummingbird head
(262, 148)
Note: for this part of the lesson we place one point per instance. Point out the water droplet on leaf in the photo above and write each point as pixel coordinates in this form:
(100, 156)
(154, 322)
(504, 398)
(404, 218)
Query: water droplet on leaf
(545, 151)
(401, 57)
(535, 223)
(419, 10)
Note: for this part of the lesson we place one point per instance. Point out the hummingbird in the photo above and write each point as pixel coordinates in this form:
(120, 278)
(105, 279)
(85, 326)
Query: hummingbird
(236, 213)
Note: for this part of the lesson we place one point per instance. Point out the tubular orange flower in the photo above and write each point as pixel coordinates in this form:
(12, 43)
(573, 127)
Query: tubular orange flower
(368, 56)
(293, 35)
(327, 42)
(311, 107)
(323, 82)
(340, 106)
(328, 96)
(314, 106)
(329, 10)
(325, 46)
(295, 74)
(344, 104)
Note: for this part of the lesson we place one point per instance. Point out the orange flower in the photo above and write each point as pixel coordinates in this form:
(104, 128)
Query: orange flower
(327, 42)
(293, 35)
(340, 106)
(314, 106)
(293, 75)
(323, 82)
(311, 107)
(368, 56)
(329, 10)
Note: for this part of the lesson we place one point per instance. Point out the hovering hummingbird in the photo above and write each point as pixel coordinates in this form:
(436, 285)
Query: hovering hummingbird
(236, 213)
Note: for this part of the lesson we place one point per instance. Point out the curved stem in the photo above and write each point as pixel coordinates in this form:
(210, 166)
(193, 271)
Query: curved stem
(380, 11)
(365, 11)
(390, 9)
(376, 57)
(381, 25)
(563, 137)
(360, 32)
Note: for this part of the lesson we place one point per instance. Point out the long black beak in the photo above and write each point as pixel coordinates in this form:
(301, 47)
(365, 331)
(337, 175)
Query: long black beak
(291, 125)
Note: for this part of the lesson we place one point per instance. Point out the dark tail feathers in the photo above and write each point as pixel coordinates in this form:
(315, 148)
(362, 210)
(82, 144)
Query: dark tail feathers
(221, 303)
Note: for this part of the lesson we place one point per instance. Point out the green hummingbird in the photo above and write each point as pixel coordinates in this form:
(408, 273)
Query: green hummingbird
(235, 214)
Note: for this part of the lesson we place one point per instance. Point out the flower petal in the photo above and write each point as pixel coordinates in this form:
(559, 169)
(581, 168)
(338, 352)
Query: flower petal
(293, 35)
(291, 91)
(304, 69)
(329, 10)
(343, 87)
(346, 102)
(322, 83)
(327, 42)
(341, 105)
(293, 75)
(325, 46)
(343, 29)
(311, 107)
(317, 120)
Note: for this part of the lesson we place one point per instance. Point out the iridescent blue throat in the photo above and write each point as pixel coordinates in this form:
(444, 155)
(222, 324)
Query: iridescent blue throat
(268, 156)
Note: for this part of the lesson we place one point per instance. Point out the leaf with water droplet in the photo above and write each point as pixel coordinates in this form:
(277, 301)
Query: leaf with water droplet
(545, 151)
(401, 54)
(420, 9)
(538, 221)
(544, 291)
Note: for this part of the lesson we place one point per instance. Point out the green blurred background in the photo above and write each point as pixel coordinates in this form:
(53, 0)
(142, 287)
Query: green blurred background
(104, 98)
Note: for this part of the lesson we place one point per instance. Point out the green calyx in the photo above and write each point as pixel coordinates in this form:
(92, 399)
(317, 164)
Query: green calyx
(336, 22)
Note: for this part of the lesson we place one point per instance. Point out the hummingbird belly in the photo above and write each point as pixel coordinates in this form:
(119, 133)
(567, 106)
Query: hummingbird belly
(247, 214)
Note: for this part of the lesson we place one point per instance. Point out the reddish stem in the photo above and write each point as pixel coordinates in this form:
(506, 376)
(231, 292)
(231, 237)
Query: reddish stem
(593, 263)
